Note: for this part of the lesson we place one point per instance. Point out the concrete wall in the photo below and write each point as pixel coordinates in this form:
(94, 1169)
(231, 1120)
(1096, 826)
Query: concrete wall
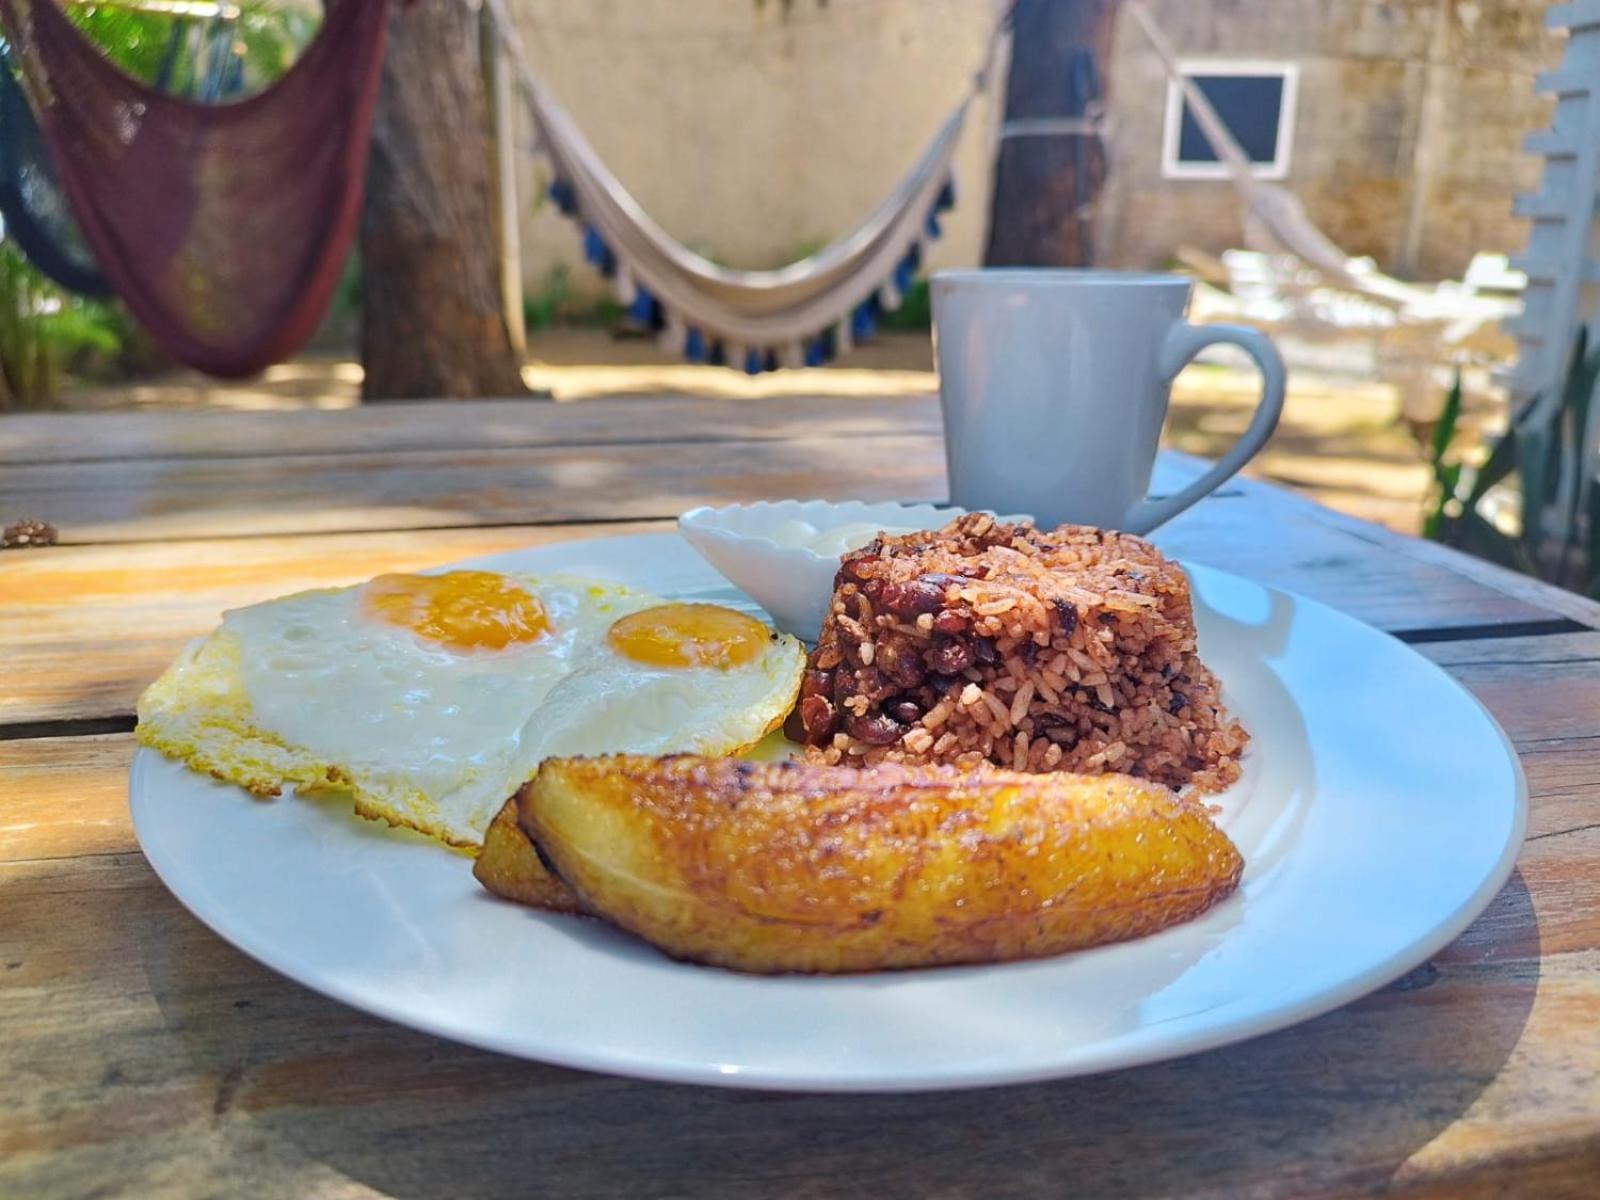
(1408, 134)
(754, 130)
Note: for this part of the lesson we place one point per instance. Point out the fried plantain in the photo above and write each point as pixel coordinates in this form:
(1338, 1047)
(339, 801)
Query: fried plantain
(772, 867)
(509, 866)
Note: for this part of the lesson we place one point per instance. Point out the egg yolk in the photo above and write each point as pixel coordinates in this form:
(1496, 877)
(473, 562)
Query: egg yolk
(464, 610)
(689, 635)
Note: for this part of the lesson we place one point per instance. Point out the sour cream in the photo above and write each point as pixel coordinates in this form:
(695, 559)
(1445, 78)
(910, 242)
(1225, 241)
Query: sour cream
(834, 540)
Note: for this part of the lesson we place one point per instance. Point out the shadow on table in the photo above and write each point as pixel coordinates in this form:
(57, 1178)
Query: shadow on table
(311, 1090)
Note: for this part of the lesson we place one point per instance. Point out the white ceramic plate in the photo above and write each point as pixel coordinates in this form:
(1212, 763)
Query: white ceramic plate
(1380, 810)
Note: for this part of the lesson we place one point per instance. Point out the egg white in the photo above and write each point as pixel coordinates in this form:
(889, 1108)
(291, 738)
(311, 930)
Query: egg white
(612, 704)
(310, 691)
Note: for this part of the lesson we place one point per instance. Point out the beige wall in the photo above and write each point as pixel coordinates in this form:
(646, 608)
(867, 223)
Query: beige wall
(754, 130)
(753, 134)
(1361, 141)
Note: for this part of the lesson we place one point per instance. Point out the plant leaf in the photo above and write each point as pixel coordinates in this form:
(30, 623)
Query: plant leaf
(1445, 428)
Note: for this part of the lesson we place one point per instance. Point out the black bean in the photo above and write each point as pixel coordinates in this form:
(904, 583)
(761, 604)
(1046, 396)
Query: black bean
(950, 657)
(1178, 703)
(794, 727)
(818, 719)
(858, 567)
(906, 712)
(901, 663)
(986, 651)
(1067, 613)
(875, 729)
(914, 597)
(874, 684)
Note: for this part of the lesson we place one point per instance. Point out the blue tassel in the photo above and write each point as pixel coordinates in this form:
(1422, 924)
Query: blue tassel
(771, 363)
(718, 357)
(563, 197)
(933, 228)
(903, 278)
(694, 346)
(913, 259)
(753, 362)
(947, 197)
(594, 246)
(864, 321)
(816, 352)
(643, 308)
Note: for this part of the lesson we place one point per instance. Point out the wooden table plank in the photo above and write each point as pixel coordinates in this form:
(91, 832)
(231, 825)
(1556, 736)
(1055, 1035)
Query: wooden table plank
(57, 788)
(144, 1055)
(178, 1063)
(110, 437)
(86, 627)
(142, 499)
(174, 1061)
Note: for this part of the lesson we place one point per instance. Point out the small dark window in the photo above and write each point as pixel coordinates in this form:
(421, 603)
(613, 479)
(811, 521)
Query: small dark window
(1255, 102)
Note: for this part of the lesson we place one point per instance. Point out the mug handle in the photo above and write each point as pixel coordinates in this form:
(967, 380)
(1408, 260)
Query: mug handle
(1178, 348)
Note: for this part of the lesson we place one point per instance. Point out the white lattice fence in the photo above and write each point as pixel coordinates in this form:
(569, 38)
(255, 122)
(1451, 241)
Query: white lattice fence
(1562, 261)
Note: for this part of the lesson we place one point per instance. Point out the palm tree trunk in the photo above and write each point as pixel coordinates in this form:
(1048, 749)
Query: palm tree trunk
(431, 318)
(1052, 164)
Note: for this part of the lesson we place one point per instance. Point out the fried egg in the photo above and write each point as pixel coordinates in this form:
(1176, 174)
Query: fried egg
(431, 698)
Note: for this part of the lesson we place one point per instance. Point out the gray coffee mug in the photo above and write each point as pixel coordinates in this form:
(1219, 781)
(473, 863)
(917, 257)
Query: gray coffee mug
(1055, 387)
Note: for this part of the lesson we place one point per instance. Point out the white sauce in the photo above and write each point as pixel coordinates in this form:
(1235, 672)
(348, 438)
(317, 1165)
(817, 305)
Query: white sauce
(836, 540)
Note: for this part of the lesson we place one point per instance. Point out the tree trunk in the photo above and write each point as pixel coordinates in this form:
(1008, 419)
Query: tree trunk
(1050, 168)
(431, 320)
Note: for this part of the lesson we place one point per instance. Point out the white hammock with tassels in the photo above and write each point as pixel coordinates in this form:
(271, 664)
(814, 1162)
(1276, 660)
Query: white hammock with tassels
(794, 316)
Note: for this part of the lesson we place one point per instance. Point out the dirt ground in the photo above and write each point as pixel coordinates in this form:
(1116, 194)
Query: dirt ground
(1340, 439)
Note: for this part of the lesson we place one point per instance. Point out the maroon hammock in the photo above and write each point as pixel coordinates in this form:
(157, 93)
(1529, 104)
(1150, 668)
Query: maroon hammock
(224, 228)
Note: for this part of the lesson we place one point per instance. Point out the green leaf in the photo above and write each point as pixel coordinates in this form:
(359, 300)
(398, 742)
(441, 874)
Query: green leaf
(1502, 459)
(1534, 445)
(1445, 428)
(1583, 371)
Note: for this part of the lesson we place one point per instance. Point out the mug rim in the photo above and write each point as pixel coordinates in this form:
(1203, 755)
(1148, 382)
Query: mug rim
(1060, 276)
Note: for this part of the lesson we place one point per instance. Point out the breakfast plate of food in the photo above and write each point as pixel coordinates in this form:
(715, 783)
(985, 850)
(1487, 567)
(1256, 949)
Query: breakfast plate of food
(991, 803)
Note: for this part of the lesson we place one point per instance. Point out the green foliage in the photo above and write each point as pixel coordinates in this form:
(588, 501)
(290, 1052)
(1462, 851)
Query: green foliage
(915, 314)
(544, 307)
(554, 305)
(346, 304)
(1545, 450)
(1446, 475)
(266, 37)
(43, 329)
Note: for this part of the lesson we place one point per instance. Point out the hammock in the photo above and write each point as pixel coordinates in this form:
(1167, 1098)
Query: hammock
(36, 215)
(224, 228)
(800, 315)
(1274, 217)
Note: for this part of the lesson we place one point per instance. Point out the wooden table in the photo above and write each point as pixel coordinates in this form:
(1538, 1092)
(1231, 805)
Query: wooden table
(140, 1055)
